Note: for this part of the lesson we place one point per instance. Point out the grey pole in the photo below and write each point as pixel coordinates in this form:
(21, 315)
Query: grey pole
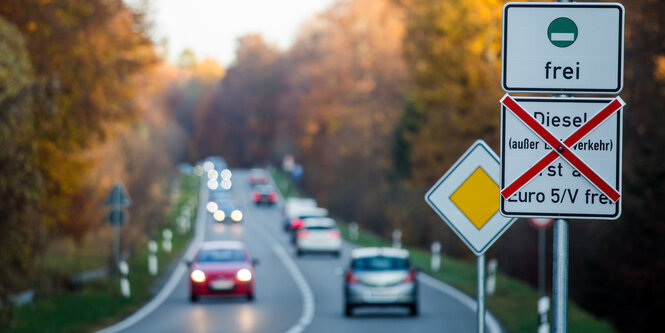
(541, 261)
(560, 283)
(116, 247)
(480, 311)
(560, 278)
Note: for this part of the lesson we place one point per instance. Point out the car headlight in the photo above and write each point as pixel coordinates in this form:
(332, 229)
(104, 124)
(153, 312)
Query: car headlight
(212, 206)
(244, 275)
(212, 184)
(236, 215)
(198, 276)
(226, 174)
(219, 215)
(226, 184)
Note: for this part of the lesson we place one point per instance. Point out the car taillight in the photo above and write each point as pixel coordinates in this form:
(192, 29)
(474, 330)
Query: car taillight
(272, 196)
(334, 234)
(411, 277)
(350, 278)
(296, 224)
(256, 196)
(303, 234)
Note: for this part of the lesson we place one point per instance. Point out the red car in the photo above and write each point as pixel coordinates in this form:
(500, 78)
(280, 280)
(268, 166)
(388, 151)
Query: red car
(221, 268)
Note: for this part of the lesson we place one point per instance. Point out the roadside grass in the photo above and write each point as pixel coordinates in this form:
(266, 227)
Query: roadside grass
(285, 184)
(514, 303)
(99, 303)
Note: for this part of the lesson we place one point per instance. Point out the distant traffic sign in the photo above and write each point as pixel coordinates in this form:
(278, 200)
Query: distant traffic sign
(117, 217)
(578, 176)
(562, 47)
(467, 198)
(118, 196)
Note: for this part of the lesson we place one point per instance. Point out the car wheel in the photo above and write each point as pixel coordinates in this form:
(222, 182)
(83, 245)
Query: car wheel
(348, 310)
(250, 296)
(336, 254)
(193, 298)
(413, 309)
(299, 253)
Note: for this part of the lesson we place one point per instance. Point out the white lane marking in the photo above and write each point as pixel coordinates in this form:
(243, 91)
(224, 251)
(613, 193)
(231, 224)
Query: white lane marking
(307, 296)
(492, 324)
(175, 277)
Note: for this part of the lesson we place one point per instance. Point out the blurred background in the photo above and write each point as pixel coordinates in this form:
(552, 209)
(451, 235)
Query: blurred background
(375, 98)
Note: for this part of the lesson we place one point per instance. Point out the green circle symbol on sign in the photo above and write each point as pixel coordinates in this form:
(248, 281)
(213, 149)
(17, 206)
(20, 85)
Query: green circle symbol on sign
(562, 32)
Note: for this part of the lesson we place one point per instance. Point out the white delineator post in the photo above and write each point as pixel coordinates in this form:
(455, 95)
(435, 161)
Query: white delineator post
(152, 258)
(436, 256)
(491, 276)
(123, 268)
(397, 239)
(182, 225)
(167, 245)
(187, 214)
(353, 231)
(543, 309)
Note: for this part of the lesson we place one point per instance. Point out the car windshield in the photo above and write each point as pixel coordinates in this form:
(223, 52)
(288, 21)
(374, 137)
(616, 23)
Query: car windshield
(265, 188)
(380, 263)
(319, 227)
(221, 255)
(228, 205)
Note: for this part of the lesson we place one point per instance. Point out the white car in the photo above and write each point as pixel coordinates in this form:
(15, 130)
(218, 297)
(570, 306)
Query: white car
(292, 205)
(320, 235)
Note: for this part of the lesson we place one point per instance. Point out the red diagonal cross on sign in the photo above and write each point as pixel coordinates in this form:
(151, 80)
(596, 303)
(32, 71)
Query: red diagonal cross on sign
(561, 148)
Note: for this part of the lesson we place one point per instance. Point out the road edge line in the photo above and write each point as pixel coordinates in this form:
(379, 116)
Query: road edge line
(168, 288)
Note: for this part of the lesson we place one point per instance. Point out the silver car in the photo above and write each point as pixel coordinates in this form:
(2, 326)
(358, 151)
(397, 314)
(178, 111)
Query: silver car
(380, 277)
(318, 235)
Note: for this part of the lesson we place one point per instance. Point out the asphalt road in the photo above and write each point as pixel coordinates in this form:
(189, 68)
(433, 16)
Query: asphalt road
(293, 294)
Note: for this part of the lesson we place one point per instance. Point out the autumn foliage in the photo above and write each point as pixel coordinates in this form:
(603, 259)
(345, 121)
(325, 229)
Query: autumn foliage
(376, 98)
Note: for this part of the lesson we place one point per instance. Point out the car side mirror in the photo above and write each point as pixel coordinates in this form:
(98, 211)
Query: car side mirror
(187, 262)
(255, 261)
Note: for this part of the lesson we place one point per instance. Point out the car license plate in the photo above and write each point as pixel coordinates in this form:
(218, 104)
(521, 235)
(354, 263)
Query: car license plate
(221, 285)
(382, 296)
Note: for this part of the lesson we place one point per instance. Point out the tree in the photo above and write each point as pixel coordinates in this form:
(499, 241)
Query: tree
(85, 55)
(20, 186)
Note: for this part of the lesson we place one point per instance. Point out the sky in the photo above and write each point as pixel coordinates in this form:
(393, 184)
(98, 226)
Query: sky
(210, 27)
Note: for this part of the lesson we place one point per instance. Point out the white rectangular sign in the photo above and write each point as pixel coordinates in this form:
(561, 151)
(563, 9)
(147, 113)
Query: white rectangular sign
(562, 48)
(535, 186)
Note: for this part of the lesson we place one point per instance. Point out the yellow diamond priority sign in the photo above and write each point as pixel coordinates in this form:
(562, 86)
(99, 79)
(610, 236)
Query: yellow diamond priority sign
(467, 198)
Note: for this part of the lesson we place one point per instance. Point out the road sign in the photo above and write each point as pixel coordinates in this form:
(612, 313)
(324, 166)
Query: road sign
(562, 48)
(467, 198)
(117, 217)
(577, 176)
(118, 196)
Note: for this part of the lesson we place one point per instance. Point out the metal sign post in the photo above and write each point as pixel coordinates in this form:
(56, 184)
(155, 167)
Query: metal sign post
(560, 287)
(560, 157)
(118, 200)
(480, 311)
